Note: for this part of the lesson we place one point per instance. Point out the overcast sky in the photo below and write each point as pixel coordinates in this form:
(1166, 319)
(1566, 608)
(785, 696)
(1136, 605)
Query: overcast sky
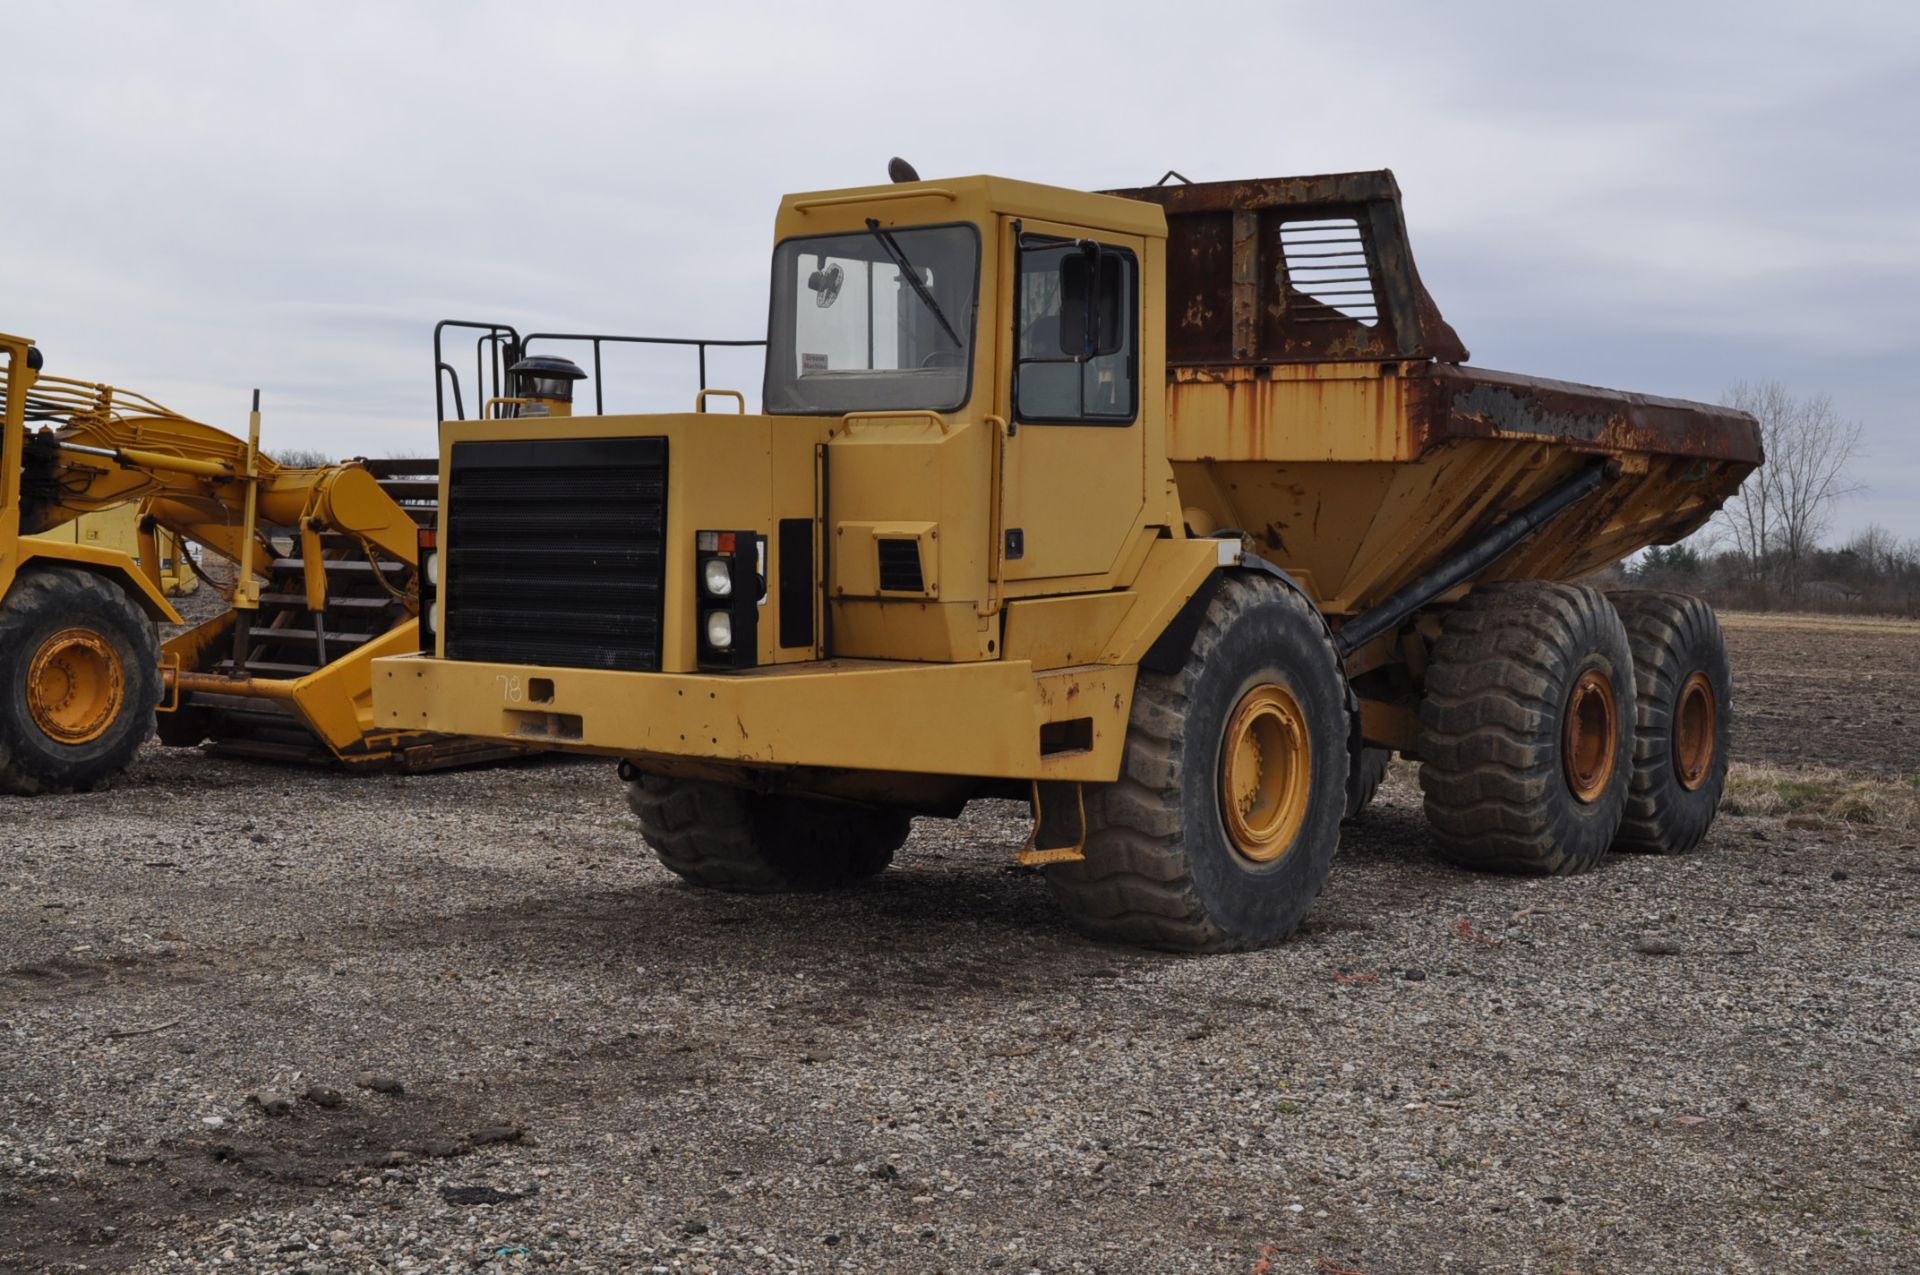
(1669, 198)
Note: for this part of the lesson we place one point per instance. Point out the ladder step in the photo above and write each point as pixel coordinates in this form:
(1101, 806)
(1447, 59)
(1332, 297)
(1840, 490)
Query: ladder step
(346, 640)
(359, 565)
(299, 601)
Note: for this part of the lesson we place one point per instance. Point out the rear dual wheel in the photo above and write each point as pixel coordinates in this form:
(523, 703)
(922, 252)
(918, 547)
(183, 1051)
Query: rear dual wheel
(1527, 729)
(1369, 771)
(79, 680)
(1684, 720)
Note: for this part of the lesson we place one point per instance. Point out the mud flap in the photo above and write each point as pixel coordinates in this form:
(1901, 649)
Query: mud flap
(1059, 824)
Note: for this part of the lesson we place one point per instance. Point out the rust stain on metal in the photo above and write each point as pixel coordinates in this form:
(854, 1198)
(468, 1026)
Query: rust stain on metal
(1224, 239)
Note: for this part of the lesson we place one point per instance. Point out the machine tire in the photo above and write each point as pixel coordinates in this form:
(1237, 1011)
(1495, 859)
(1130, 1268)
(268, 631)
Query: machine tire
(185, 727)
(1683, 720)
(727, 838)
(1520, 774)
(1161, 867)
(65, 623)
(1366, 778)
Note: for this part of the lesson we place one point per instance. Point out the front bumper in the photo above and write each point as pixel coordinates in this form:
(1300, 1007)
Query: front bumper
(981, 720)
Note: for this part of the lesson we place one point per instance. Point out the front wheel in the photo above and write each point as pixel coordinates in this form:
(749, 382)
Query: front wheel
(1221, 829)
(727, 838)
(79, 679)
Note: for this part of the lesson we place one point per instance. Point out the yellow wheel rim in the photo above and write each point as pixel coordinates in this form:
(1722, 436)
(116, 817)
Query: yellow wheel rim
(1266, 772)
(1592, 730)
(1696, 731)
(75, 686)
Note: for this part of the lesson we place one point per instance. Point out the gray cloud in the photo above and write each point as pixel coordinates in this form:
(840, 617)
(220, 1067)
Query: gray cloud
(1660, 197)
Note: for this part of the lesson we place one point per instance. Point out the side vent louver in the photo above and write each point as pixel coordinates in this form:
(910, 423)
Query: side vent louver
(900, 566)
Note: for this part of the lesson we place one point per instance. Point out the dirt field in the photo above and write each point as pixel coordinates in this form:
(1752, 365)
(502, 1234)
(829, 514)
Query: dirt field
(1695, 1064)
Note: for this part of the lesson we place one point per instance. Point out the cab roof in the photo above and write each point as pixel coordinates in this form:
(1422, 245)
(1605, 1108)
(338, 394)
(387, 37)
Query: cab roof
(964, 199)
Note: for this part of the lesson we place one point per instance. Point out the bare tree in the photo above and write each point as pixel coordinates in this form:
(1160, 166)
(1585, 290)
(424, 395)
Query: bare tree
(301, 457)
(1781, 512)
(1877, 550)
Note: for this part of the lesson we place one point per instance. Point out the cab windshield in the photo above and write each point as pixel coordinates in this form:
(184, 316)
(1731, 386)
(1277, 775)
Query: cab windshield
(873, 320)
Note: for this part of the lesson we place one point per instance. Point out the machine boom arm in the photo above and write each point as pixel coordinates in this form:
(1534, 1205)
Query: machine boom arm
(99, 446)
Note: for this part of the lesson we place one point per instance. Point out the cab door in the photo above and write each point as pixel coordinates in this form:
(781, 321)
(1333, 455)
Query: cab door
(1073, 466)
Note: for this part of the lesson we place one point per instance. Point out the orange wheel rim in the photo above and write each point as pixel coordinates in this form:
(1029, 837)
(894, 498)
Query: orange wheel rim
(75, 686)
(1592, 730)
(1696, 731)
(1266, 773)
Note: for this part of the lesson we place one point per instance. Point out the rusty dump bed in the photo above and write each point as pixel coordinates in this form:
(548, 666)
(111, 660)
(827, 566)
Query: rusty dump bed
(1318, 401)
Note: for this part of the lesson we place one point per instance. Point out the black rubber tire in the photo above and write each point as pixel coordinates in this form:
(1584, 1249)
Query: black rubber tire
(1159, 869)
(42, 602)
(727, 838)
(1365, 780)
(185, 727)
(1673, 636)
(1492, 726)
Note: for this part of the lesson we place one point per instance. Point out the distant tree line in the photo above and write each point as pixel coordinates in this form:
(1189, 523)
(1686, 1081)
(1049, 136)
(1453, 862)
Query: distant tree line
(1871, 574)
(1766, 549)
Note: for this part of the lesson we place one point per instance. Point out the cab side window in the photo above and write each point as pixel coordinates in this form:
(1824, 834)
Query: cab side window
(1078, 321)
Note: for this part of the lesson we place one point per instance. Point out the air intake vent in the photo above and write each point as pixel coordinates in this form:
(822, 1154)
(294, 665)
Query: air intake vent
(555, 552)
(900, 566)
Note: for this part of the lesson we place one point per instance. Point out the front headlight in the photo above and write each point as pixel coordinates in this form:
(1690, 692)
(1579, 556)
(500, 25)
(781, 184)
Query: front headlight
(426, 617)
(719, 630)
(430, 564)
(718, 577)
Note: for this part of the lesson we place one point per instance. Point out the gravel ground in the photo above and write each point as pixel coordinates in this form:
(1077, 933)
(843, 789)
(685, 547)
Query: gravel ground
(263, 1020)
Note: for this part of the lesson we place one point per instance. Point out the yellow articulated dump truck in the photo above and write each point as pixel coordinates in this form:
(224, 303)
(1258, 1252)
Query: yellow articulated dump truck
(324, 564)
(1170, 511)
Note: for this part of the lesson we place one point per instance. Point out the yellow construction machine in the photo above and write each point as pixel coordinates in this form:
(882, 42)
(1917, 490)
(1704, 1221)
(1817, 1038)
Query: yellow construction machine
(118, 529)
(1171, 511)
(324, 579)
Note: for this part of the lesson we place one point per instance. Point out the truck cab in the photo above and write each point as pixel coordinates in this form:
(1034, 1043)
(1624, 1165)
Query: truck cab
(916, 560)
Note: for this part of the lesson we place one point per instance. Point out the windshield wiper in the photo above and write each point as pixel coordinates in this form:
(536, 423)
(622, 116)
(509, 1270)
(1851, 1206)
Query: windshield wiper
(912, 276)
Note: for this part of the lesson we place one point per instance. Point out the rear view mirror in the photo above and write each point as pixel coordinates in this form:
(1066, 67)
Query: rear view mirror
(1093, 304)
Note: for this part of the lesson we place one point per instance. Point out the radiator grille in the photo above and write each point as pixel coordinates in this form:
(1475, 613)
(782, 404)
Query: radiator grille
(555, 552)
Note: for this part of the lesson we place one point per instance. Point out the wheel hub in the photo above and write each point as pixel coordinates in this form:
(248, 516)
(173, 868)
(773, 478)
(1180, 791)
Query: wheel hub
(1696, 731)
(75, 686)
(1266, 769)
(1592, 730)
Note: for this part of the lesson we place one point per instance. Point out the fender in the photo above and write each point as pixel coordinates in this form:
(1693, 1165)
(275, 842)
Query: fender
(112, 564)
(1169, 650)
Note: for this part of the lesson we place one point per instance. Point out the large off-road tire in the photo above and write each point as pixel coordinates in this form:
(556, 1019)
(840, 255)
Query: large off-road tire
(1684, 720)
(1526, 740)
(1222, 826)
(79, 678)
(1366, 778)
(185, 727)
(727, 838)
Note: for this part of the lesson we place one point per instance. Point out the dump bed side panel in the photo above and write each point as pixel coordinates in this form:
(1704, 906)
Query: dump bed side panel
(1448, 402)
